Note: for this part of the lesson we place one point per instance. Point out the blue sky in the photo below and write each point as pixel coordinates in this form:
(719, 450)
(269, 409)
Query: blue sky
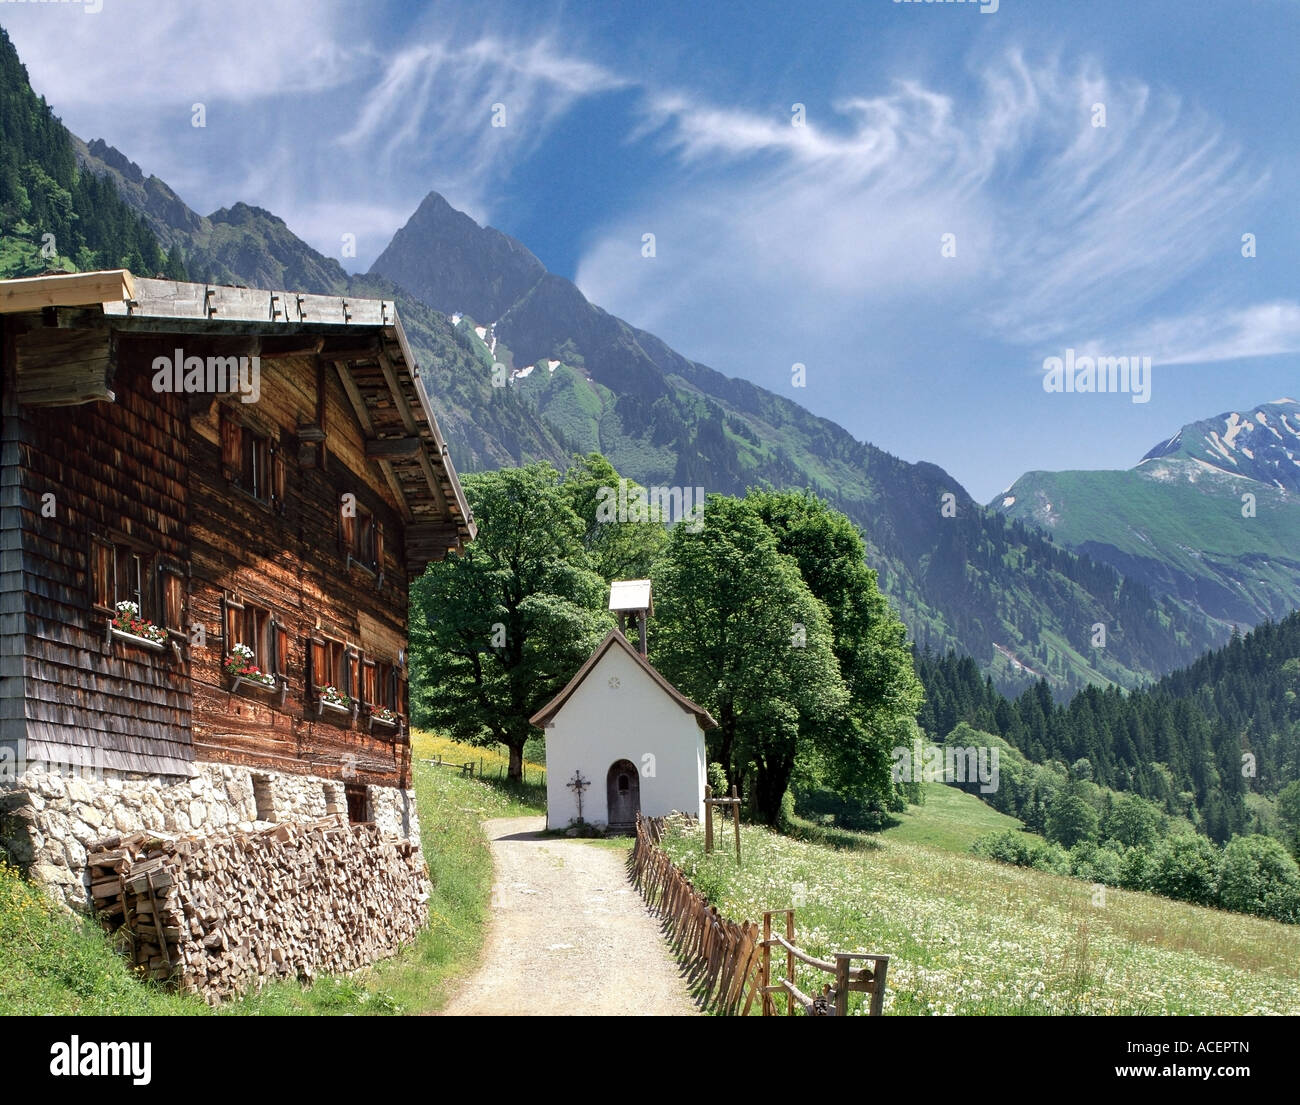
(778, 244)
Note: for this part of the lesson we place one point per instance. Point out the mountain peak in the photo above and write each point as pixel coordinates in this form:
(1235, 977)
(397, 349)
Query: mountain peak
(446, 259)
(1259, 443)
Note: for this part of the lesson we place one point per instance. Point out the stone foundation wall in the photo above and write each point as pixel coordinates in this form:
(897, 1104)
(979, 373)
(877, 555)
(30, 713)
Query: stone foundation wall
(49, 816)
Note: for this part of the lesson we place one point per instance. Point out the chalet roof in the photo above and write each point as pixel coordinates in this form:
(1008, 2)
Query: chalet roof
(362, 340)
(614, 639)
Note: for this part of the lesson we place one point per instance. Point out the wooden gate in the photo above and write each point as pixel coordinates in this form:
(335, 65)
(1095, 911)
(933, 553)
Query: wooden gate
(833, 1001)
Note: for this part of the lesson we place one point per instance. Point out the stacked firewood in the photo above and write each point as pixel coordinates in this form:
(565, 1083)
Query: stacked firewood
(214, 915)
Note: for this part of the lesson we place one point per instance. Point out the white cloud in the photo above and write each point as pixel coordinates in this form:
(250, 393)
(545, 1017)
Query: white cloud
(1062, 229)
(237, 50)
(1203, 337)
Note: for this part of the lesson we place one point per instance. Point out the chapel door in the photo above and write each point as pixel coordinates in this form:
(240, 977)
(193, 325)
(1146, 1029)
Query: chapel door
(623, 790)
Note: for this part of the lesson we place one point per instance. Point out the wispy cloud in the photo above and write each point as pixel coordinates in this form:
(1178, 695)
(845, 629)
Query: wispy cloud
(1061, 228)
(238, 51)
(437, 101)
(1215, 334)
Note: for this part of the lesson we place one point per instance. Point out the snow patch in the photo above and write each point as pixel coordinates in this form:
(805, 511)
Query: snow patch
(1008, 501)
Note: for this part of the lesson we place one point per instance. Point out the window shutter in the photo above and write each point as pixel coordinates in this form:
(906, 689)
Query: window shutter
(379, 545)
(121, 575)
(280, 643)
(230, 612)
(277, 475)
(173, 596)
(101, 573)
(352, 674)
(368, 688)
(317, 665)
(347, 530)
(231, 446)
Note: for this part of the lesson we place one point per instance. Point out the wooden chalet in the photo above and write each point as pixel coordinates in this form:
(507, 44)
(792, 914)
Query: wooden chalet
(291, 522)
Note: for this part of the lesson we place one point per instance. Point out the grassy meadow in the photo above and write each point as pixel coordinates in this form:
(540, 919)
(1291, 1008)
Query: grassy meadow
(969, 936)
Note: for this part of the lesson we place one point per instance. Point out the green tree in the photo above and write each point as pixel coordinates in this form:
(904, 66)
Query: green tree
(869, 640)
(1259, 876)
(1133, 822)
(1070, 820)
(499, 630)
(1186, 867)
(618, 550)
(1288, 816)
(737, 629)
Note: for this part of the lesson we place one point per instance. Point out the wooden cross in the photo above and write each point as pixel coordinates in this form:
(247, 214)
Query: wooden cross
(578, 784)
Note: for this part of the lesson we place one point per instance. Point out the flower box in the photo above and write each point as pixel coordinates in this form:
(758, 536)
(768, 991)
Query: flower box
(135, 639)
(392, 722)
(278, 688)
(127, 624)
(327, 698)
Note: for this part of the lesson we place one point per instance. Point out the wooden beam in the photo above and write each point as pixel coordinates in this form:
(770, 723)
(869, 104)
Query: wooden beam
(395, 485)
(363, 418)
(393, 447)
(336, 350)
(431, 541)
(64, 368)
(291, 345)
(78, 289)
(399, 397)
(412, 428)
(217, 303)
(354, 397)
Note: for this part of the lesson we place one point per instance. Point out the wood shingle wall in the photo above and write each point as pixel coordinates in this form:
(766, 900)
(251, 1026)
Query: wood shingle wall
(120, 468)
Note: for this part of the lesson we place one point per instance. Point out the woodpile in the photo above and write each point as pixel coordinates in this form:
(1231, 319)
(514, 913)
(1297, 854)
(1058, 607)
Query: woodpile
(215, 915)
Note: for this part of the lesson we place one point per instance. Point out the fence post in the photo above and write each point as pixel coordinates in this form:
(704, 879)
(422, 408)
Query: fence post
(878, 994)
(735, 820)
(842, 962)
(708, 819)
(766, 970)
(789, 961)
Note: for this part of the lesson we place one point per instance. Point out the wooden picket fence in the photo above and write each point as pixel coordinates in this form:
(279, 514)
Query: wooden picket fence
(722, 955)
(729, 963)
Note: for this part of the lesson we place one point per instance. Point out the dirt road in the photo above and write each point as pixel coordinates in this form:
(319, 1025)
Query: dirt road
(569, 935)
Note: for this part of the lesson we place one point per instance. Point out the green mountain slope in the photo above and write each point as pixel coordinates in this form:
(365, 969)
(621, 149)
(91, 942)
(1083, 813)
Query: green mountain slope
(1204, 741)
(1178, 522)
(1000, 592)
(994, 589)
(53, 215)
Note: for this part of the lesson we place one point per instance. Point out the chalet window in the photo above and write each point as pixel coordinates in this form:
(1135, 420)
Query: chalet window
(257, 628)
(122, 572)
(361, 535)
(252, 461)
(382, 686)
(331, 663)
(253, 474)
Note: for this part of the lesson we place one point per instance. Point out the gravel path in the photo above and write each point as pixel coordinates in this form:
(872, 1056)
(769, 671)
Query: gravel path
(569, 935)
